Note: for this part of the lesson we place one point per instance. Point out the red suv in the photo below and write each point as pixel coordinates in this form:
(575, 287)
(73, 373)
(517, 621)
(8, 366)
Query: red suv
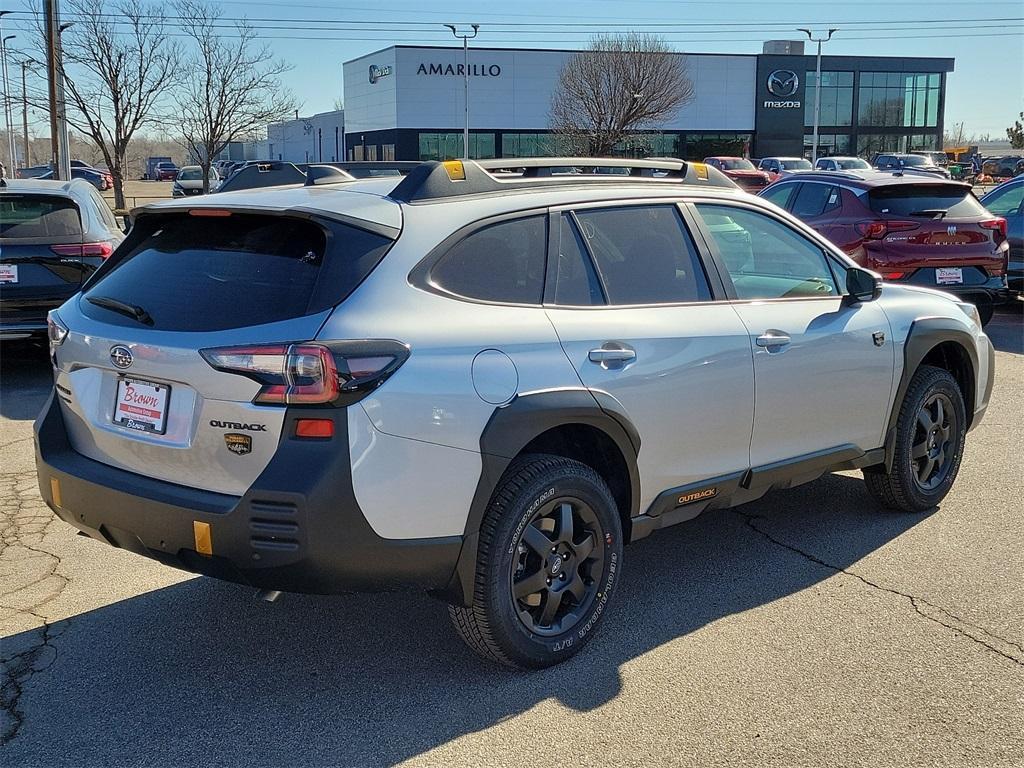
(910, 229)
(740, 170)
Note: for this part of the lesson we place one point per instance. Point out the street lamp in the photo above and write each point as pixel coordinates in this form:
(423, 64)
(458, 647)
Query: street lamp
(465, 37)
(817, 86)
(7, 100)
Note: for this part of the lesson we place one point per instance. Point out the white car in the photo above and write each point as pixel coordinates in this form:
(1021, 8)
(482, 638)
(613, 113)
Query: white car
(837, 163)
(485, 386)
(189, 181)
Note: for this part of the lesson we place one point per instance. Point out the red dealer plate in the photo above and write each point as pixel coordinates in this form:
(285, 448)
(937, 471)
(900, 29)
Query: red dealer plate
(141, 405)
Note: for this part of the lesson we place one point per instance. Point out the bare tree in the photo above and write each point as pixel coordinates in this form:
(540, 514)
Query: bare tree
(119, 65)
(619, 85)
(232, 87)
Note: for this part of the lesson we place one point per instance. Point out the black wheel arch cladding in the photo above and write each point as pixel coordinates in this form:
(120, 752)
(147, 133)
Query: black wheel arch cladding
(512, 428)
(925, 340)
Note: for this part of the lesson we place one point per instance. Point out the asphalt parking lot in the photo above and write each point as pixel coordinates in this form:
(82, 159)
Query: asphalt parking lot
(806, 629)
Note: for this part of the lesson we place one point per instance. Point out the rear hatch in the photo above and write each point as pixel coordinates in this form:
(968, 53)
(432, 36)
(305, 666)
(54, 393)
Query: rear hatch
(134, 388)
(41, 261)
(935, 233)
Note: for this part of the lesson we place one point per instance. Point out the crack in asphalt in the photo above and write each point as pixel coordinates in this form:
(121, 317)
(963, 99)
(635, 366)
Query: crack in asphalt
(31, 580)
(1008, 649)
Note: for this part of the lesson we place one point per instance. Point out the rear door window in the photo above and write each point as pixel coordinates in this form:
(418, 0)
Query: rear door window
(38, 216)
(576, 282)
(815, 199)
(929, 200)
(193, 273)
(644, 254)
(780, 194)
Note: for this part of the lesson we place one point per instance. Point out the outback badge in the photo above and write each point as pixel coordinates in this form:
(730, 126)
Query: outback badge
(238, 444)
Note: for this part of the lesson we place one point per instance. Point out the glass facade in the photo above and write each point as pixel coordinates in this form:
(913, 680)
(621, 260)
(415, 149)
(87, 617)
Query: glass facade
(531, 145)
(869, 145)
(448, 146)
(836, 99)
(891, 99)
(828, 143)
(701, 145)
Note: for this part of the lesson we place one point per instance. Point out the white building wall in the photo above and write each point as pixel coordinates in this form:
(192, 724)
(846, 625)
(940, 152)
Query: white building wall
(317, 138)
(425, 90)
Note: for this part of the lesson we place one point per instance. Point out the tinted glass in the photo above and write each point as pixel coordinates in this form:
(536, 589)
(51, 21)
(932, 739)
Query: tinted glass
(779, 194)
(853, 163)
(765, 258)
(38, 216)
(205, 274)
(576, 282)
(924, 200)
(736, 164)
(814, 199)
(644, 254)
(1006, 200)
(192, 174)
(502, 262)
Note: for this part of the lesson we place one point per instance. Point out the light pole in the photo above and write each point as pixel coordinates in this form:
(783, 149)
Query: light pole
(24, 112)
(465, 37)
(817, 87)
(7, 100)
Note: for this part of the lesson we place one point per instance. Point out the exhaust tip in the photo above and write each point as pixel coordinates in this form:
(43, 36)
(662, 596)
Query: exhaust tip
(268, 595)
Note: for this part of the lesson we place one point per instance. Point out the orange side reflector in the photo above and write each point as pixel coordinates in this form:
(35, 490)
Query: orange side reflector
(314, 428)
(208, 212)
(204, 538)
(456, 171)
(55, 492)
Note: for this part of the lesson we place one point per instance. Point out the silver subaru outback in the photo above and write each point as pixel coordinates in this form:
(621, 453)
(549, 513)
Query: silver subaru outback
(483, 381)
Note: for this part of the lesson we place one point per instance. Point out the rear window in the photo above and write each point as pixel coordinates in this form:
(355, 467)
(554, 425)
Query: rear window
(212, 273)
(925, 200)
(30, 216)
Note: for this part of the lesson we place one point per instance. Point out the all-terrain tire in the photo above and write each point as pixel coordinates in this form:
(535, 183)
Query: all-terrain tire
(502, 627)
(924, 434)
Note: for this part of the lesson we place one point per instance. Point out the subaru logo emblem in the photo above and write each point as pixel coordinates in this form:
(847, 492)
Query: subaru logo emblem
(556, 565)
(783, 83)
(951, 229)
(121, 356)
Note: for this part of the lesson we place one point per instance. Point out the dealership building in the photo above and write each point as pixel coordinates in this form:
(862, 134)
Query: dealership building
(406, 103)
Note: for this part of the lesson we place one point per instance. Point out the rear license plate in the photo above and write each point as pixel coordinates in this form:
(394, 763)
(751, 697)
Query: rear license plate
(949, 275)
(8, 273)
(141, 405)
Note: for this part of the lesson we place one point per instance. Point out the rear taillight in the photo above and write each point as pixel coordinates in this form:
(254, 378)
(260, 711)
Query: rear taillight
(893, 275)
(56, 331)
(312, 373)
(103, 250)
(876, 230)
(996, 225)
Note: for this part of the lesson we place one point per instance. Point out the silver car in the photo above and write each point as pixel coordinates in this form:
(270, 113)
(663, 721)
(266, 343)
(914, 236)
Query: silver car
(484, 385)
(189, 181)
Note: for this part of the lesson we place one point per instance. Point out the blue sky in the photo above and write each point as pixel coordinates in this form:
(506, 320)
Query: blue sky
(986, 37)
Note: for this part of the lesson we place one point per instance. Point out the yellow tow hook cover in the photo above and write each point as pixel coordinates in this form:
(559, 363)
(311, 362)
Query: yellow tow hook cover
(203, 536)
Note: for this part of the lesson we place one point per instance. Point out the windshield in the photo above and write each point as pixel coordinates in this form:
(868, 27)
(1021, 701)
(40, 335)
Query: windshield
(853, 163)
(736, 164)
(796, 165)
(916, 161)
(194, 174)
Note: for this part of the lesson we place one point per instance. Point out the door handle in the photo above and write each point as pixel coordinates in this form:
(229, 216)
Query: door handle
(606, 355)
(770, 339)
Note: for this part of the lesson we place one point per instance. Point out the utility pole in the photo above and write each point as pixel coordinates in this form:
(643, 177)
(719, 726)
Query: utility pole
(24, 114)
(7, 100)
(465, 37)
(50, 18)
(63, 143)
(817, 87)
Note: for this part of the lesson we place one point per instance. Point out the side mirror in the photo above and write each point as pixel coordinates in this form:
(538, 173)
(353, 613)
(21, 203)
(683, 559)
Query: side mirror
(862, 285)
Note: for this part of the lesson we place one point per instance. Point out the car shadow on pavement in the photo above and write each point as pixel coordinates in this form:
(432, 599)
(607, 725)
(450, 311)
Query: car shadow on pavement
(1006, 329)
(25, 379)
(202, 672)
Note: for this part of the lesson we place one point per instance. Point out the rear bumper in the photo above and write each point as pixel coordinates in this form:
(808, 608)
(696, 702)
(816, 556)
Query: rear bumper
(27, 329)
(297, 529)
(991, 291)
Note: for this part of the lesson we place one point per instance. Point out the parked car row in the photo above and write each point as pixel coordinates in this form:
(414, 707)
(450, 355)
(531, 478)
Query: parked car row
(100, 179)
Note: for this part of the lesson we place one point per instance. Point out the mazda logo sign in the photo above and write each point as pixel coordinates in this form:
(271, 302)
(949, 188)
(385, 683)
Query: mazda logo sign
(121, 356)
(783, 83)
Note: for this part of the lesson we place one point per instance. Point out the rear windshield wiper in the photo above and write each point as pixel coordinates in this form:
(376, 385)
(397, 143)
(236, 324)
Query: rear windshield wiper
(133, 311)
(935, 213)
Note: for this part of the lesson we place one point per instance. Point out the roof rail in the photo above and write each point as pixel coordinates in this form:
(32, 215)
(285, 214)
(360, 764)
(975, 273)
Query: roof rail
(456, 178)
(325, 174)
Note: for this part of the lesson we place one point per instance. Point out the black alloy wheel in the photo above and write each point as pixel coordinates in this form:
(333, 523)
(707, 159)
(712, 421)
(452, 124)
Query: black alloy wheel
(554, 579)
